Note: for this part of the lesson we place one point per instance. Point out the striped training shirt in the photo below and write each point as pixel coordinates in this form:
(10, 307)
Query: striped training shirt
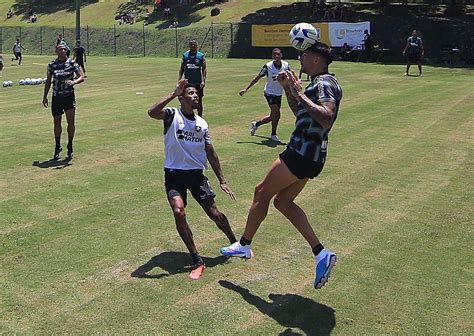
(309, 138)
(62, 71)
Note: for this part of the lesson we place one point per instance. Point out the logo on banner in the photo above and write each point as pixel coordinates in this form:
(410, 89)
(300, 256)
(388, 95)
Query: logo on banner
(340, 33)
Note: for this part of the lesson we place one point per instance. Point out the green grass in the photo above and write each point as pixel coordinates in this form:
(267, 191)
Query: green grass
(394, 201)
(100, 13)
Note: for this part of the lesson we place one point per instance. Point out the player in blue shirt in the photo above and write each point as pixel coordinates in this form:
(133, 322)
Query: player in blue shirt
(193, 66)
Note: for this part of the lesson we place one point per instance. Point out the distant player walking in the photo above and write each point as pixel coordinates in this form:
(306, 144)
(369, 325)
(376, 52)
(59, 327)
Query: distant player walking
(316, 111)
(60, 73)
(188, 147)
(17, 51)
(272, 92)
(414, 50)
(194, 68)
(79, 56)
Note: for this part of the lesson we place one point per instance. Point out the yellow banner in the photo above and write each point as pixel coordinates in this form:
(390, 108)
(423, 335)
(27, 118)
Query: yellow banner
(277, 35)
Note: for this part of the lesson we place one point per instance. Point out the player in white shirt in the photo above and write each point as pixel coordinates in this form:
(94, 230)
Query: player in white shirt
(272, 92)
(188, 148)
(17, 51)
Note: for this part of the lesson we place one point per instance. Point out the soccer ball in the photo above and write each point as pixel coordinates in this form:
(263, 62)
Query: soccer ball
(303, 35)
(21, 82)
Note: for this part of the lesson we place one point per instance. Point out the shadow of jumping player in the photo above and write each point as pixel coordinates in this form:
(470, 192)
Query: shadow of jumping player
(172, 263)
(291, 311)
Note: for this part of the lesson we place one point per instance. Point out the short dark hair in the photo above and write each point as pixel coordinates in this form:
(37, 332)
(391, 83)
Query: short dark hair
(321, 49)
(189, 85)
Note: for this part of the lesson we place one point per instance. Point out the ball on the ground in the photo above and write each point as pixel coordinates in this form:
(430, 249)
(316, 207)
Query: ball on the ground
(303, 35)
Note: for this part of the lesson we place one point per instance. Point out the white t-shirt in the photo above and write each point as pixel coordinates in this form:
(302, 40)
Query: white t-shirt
(17, 47)
(271, 71)
(185, 141)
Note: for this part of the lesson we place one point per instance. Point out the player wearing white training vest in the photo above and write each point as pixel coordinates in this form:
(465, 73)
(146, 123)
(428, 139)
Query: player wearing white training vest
(272, 92)
(188, 148)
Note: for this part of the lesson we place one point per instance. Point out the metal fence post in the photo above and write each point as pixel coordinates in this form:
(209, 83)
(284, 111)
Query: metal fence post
(20, 34)
(176, 39)
(231, 34)
(144, 42)
(212, 39)
(41, 40)
(87, 39)
(115, 42)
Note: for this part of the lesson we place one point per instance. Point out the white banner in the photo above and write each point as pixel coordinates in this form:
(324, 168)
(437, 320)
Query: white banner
(350, 33)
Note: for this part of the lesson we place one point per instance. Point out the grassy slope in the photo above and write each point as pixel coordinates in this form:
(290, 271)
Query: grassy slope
(395, 202)
(100, 14)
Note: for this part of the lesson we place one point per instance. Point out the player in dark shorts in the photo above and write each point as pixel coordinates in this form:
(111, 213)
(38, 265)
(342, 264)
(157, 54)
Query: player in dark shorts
(414, 51)
(316, 109)
(61, 74)
(80, 56)
(194, 68)
(188, 148)
(272, 92)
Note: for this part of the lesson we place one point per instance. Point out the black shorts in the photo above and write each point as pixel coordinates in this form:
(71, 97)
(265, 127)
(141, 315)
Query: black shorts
(81, 63)
(273, 100)
(200, 90)
(300, 166)
(177, 182)
(414, 58)
(60, 104)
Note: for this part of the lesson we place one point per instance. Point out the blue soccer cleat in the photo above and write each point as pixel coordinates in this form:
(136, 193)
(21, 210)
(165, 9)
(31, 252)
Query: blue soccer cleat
(237, 250)
(325, 261)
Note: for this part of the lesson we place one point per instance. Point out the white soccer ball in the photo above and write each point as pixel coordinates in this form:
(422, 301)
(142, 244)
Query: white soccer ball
(27, 81)
(303, 35)
(5, 84)
(10, 83)
(21, 82)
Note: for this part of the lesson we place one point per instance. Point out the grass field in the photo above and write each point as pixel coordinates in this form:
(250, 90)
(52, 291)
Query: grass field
(89, 246)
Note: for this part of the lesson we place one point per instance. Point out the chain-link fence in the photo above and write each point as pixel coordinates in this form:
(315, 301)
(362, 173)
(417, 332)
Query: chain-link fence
(215, 40)
(222, 40)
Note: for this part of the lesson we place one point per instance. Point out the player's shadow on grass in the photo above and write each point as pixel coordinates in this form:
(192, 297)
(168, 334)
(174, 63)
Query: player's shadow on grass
(264, 141)
(291, 311)
(53, 163)
(172, 263)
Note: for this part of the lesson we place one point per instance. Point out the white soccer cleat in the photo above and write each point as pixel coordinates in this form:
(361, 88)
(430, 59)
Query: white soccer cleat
(253, 127)
(275, 138)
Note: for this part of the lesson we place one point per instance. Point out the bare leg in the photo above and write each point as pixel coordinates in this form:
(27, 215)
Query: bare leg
(278, 178)
(284, 202)
(57, 126)
(219, 218)
(177, 205)
(275, 116)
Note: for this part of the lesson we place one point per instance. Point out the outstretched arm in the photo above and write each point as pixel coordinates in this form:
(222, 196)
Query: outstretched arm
(252, 83)
(216, 167)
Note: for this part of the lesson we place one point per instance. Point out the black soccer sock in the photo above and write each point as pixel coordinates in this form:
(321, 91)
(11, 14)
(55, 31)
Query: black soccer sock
(318, 248)
(232, 240)
(244, 241)
(58, 141)
(258, 123)
(197, 260)
(69, 143)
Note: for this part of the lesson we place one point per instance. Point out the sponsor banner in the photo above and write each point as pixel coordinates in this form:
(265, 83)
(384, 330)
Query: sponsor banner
(277, 35)
(350, 33)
